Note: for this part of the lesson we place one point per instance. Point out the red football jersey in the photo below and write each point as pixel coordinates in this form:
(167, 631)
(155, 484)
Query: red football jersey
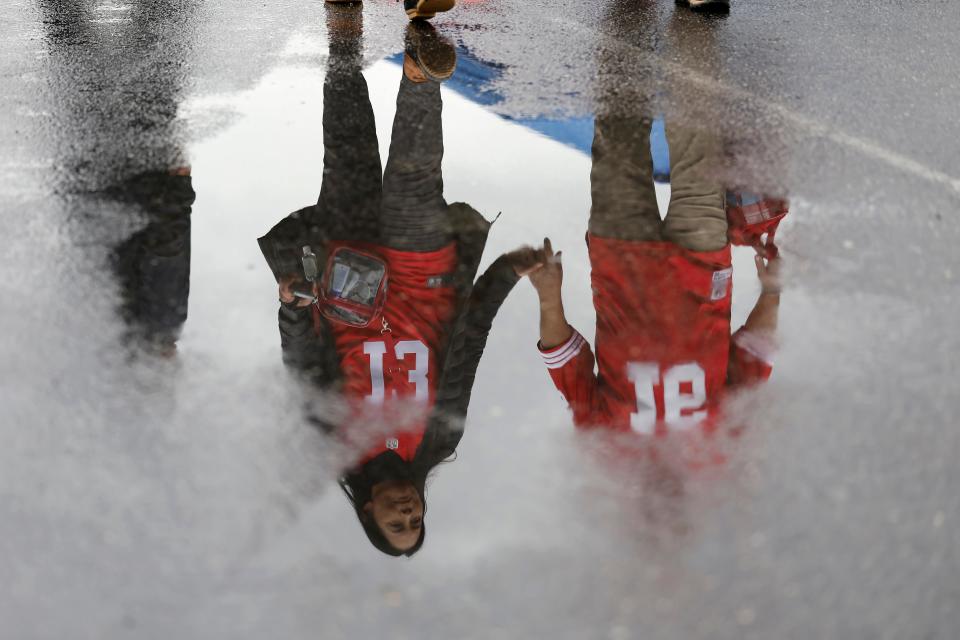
(391, 368)
(664, 349)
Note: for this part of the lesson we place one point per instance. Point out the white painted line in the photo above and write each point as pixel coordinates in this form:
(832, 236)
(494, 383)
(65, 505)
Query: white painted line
(812, 127)
(819, 129)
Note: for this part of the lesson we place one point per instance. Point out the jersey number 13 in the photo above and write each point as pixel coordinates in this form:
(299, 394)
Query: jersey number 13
(417, 376)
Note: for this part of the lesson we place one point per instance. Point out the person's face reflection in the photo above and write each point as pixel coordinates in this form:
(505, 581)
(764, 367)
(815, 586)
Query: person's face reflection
(397, 510)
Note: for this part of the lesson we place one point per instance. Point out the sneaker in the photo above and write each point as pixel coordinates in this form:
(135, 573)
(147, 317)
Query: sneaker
(706, 6)
(429, 53)
(426, 9)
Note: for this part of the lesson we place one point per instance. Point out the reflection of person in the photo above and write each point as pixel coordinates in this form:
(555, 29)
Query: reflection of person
(416, 361)
(662, 292)
(114, 151)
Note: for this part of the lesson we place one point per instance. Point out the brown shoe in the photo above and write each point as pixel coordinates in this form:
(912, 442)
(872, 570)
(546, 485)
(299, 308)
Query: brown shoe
(720, 7)
(428, 52)
(426, 9)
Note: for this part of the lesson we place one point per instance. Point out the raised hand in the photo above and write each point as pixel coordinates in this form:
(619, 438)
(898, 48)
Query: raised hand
(548, 279)
(768, 271)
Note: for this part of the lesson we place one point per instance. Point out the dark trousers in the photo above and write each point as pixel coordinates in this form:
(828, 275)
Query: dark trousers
(402, 208)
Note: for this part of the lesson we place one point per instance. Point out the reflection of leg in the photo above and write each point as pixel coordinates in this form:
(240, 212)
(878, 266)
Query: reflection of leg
(350, 191)
(696, 219)
(624, 205)
(67, 23)
(153, 265)
(414, 213)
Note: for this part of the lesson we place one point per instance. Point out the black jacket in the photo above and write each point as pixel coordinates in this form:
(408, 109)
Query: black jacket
(153, 264)
(315, 358)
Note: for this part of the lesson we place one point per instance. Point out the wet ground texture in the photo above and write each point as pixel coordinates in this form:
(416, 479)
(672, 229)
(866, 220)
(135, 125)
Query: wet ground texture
(719, 402)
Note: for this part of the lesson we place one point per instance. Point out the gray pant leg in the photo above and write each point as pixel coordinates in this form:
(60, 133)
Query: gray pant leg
(350, 192)
(413, 214)
(624, 200)
(696, 219)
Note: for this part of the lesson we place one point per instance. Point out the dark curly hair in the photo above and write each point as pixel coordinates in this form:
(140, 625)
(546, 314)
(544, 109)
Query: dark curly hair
(357, 485)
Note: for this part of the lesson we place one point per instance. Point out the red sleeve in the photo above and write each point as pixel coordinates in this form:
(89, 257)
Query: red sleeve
(751, 358)
(571, 367)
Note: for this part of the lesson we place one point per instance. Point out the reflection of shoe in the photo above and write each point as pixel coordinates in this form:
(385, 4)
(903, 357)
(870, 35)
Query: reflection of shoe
(344, 21)
(706, 6)
(432, 54)
(426, 9)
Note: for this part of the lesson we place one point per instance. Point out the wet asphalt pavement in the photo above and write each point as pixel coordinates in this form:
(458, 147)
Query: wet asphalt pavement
(162, 473)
